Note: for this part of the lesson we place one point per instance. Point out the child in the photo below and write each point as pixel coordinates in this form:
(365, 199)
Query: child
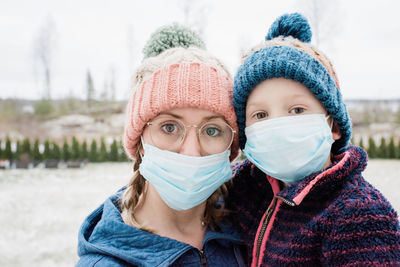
(300, 195)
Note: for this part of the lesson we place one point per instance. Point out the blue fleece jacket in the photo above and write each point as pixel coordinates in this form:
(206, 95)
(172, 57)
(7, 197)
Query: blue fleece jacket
(105, 240)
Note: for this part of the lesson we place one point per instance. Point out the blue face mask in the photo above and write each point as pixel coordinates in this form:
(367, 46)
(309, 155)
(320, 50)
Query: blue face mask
(182, 181)
(289, 148)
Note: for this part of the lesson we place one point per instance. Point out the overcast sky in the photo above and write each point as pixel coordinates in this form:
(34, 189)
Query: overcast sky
(362, 38)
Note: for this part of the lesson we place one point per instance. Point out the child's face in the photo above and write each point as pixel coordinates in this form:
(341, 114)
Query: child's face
(279, 97)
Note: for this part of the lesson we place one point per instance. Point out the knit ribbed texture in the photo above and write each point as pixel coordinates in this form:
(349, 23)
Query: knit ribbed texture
(185, 84)
(288, 57)
(340, 220)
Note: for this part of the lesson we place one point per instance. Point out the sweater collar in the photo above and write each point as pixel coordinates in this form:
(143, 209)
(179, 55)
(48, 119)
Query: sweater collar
(352, 161)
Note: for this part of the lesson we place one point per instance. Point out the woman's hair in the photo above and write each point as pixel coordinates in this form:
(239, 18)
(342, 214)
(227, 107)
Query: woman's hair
(136, 189)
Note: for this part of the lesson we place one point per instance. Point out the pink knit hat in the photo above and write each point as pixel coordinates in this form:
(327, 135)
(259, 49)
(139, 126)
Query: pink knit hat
(179, 85)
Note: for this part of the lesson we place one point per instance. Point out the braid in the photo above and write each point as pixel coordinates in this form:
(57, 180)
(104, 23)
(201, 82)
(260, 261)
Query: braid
(133, 191)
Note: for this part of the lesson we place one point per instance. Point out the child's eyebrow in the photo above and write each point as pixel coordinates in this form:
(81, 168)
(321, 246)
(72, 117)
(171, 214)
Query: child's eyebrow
(298, 96)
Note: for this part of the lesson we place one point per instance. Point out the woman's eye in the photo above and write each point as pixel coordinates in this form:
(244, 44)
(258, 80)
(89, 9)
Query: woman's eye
(260, 115)
(212, 131)
(169, 128)
(297, 110)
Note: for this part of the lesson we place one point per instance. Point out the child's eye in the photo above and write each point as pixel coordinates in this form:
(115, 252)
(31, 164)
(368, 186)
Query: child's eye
(260, 115)
(296, 110)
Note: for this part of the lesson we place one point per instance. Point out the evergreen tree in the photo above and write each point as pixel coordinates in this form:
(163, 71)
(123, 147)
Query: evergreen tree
(382, 151)
(66, 151)
(103, 151)
(84, 150)
(113, 155)
(8, 154)
(93, 156)
(56, 152)
(1, 150)
(18, 150)
(35, 151)
(26, 147)
(47, 153)
(361, 144)
(391, 149)
(398, 150)
(75, 149)
(371, 148)
(121, 152)
(89, 89)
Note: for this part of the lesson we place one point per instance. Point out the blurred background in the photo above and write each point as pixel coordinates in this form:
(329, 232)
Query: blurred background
(65, 77)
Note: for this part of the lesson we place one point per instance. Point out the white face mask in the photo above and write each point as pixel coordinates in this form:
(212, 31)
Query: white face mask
(182, 181)
(289, 148)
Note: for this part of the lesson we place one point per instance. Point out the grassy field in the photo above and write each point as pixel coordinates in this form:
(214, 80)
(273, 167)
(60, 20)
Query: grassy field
(41, 210)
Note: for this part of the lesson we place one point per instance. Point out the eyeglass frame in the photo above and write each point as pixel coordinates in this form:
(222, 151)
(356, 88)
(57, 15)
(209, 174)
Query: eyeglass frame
(199, 127)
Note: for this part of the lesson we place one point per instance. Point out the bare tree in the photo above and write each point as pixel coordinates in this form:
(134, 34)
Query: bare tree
(112, 83)
(89, 89)
(325, 17)
(131, 47)
(195, 14)
(104, 93)
(43, 50)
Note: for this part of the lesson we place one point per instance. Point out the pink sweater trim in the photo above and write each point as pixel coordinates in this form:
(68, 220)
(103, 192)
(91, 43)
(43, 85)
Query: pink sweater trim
(299, 198)
(267, 232)
(276, 189)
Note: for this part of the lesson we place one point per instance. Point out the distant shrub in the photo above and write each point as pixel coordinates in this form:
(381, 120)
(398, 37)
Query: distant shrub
(84, 150)
(44, 108)
(103, 151)
(372, 150)
(8, 154)
(66, 151)
(55, 151)
(93, 157)
(361, 144)
(113, 154)
(75, 149)
(35, 151)
(391, 149)
(382, 151)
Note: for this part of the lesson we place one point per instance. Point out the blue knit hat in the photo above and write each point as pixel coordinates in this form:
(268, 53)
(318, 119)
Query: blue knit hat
(288, 54)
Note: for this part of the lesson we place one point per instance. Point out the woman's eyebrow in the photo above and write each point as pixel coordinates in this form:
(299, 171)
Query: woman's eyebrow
(203, 120)
(171, 114)
(214, 117)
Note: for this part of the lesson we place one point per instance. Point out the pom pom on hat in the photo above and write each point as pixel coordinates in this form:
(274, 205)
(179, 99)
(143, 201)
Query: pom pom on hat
(171, 36)
(295, 25)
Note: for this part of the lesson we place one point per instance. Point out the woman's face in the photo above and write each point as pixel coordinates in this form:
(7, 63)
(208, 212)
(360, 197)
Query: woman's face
(189, 131)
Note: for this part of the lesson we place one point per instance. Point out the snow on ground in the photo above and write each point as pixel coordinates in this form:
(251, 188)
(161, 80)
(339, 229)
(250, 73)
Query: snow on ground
(41, 210)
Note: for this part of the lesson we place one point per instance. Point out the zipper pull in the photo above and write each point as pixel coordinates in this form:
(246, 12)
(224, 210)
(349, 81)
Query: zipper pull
(284, 200)
(203, 259)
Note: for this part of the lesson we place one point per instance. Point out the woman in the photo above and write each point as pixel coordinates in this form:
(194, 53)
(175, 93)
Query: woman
(180, 131)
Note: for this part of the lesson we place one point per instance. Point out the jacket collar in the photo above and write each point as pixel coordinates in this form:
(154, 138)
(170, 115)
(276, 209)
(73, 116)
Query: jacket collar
(349, 163)
(104, 232)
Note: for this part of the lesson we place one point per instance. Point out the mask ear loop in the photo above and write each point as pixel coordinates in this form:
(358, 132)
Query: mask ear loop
(140, 153)
(327, 117)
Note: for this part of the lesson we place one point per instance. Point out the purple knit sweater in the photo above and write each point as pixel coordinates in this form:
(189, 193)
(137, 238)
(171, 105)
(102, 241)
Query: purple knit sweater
(330, 218)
